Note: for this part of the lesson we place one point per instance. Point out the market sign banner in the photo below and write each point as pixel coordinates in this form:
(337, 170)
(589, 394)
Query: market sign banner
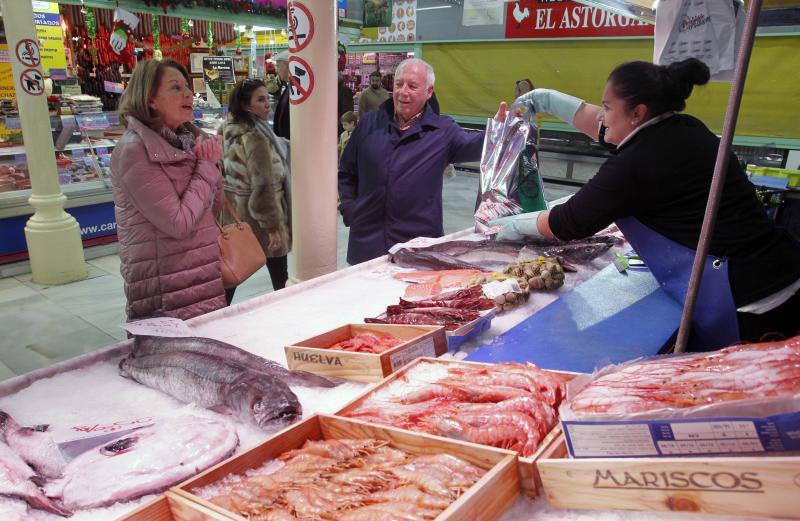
(567, 19)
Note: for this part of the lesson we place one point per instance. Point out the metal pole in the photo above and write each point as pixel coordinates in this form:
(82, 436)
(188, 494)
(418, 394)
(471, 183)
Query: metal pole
(720, 169)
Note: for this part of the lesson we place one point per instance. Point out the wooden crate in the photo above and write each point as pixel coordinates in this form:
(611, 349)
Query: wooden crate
(491, 495)
(313, 356)
(766, 486)
(171, 507)
(529, 476)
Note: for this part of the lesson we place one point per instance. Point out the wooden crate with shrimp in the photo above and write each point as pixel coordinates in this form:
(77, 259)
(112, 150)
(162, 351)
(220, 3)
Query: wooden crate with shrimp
(703, 432)
(348, 470)
(508, 406)
(171, 507)
(365, 352)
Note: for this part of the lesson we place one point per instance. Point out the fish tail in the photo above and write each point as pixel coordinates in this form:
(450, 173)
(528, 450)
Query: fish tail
(42, 502)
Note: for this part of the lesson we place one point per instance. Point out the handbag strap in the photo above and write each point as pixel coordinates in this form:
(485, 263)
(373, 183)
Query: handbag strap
(231, 211)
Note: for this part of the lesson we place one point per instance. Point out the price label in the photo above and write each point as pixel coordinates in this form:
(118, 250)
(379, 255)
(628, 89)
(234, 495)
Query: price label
(161, 326)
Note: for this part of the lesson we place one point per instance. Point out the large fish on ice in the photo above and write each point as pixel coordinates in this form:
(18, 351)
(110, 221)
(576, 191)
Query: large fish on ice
(35, 445)
(148, 345)
(215, 383)
(144, 461)
(492, 255)
(16, 480)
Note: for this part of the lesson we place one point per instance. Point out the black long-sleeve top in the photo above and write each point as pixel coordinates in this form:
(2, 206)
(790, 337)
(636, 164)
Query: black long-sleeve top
(662, 177)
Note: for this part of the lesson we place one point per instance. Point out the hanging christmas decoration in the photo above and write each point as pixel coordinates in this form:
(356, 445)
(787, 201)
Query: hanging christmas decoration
(185, 28)
(124, 23)
(210, 36)
(238, 43)
(276, 8)
(342, 51)
(91, 26)
(156, 39)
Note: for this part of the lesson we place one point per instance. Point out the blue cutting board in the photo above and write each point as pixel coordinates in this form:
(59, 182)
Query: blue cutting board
(610, 318)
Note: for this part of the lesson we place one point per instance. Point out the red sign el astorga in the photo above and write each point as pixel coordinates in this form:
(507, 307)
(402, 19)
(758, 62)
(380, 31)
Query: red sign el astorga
(567, 19)
(301, 27)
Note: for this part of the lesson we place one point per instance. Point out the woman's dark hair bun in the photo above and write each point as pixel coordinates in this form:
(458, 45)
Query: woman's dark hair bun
(661, 88)
(686, 74)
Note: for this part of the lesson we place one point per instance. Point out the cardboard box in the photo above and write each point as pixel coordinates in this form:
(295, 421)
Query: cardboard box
(740, 486)
(683, 437)
(529, 476)
(491, 495)
(313, 355)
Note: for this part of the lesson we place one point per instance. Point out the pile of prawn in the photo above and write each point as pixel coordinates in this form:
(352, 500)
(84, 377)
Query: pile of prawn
(762, 370)
(510, 406)
(351, 480)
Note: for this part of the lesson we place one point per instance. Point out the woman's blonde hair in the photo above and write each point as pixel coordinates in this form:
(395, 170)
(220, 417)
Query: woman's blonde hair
(142, 87)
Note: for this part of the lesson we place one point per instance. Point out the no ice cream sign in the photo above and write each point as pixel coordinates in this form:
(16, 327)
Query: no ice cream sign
(301, 80)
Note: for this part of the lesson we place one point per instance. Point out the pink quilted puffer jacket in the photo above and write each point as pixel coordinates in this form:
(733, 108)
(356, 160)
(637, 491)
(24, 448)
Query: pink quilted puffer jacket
(163, 201)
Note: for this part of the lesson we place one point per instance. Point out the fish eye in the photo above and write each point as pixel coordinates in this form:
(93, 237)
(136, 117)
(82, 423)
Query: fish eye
(258, 406)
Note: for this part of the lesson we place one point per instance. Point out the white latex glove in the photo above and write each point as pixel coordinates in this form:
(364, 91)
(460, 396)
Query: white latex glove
(517, 227)
(561, 105)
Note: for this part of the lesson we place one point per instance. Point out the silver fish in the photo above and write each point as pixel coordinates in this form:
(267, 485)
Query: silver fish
(16, 481)
(214, 383)
(147, 345)
(34, 445)
(145, 461)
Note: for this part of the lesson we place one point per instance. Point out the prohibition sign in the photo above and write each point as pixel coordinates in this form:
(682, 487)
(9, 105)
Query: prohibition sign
(301, 80)
(28, 53)
(301, 27)
(32, 82)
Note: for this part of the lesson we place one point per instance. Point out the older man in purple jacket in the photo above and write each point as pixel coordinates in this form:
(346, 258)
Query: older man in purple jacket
(390, 175)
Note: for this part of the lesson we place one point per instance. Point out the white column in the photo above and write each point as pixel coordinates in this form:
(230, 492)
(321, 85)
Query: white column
(313, 131)
(53, 236)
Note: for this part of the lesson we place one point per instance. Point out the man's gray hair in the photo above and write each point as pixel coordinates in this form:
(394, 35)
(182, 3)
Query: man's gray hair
(429, 75)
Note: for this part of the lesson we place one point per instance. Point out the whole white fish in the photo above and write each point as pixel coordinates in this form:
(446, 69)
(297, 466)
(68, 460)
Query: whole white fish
(36, 447)
(144, 461)
(15, 481)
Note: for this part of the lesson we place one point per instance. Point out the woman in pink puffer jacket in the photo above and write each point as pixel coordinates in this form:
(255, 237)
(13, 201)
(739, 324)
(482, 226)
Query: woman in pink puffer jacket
(166, 183)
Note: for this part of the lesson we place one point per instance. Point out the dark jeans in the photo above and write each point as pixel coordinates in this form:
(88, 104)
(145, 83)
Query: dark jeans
(784, 320)
(278, 268)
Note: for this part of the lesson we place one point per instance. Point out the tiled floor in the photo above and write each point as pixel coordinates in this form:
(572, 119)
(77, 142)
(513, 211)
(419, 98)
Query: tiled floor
(45, 324)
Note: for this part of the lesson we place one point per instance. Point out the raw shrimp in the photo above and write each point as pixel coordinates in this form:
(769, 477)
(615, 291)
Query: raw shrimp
(336, 449)
(734, 373)
(453, 463)
(409, 494)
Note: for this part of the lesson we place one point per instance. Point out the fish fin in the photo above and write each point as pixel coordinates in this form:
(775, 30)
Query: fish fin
(312, 380)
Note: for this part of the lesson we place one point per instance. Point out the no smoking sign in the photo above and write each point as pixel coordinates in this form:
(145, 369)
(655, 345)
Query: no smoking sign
(301, 80)
(301, 27)
(28, 53)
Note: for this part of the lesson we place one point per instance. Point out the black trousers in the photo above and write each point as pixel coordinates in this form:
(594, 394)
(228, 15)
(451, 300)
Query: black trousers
(278, 268)
(784, 321)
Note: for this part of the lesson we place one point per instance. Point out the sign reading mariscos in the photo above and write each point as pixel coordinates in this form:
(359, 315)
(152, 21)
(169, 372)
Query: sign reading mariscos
(567, 19)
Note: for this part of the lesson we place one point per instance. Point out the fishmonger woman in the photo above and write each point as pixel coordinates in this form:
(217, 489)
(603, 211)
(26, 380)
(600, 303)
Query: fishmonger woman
(655, 188)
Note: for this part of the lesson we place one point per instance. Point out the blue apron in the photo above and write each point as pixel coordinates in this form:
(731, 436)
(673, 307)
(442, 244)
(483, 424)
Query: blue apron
(714, 324)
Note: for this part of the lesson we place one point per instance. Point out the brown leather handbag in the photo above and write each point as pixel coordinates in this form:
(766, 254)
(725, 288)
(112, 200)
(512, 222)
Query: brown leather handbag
(240, 253)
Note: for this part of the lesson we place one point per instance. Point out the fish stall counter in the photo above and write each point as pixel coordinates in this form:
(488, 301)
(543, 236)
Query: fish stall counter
(86, 397)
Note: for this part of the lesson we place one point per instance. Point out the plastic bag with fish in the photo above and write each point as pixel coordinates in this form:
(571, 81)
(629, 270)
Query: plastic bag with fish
(510, 181)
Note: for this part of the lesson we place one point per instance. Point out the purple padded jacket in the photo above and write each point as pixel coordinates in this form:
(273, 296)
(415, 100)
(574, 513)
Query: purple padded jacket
(164, 200)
